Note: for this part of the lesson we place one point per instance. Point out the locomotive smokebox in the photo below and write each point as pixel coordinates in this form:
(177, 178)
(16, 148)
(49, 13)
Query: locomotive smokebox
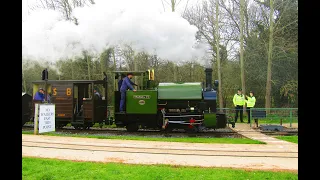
(208, 72)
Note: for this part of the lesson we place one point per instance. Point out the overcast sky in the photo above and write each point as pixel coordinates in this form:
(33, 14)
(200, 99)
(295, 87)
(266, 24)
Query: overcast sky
(179, 8)
(144, 24)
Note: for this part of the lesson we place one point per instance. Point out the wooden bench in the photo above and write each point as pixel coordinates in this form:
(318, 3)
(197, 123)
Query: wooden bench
(256, 114)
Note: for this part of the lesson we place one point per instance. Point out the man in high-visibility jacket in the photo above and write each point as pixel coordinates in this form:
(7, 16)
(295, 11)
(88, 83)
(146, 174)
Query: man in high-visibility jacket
(239, 101)
(251, 101)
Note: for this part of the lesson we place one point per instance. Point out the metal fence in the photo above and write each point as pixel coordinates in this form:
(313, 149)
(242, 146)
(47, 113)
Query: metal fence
(287, 117)
(281, 116)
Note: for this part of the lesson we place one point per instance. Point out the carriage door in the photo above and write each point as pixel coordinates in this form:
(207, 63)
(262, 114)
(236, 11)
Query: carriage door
(62, 96)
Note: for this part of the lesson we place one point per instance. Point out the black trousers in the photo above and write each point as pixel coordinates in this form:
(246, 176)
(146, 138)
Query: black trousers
(248, 112)
(239, 109)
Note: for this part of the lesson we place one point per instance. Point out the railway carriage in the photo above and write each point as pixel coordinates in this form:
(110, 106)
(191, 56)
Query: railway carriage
(74, 103)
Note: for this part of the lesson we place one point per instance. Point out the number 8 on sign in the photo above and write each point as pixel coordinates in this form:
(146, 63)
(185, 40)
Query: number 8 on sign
(68, 92)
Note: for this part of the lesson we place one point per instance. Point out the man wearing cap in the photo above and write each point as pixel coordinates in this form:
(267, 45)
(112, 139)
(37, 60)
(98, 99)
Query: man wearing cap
(121, 80)
(39, 96)
(97, 95)
(126, 84)
(48, 96)
(239, 101)
(251, 101)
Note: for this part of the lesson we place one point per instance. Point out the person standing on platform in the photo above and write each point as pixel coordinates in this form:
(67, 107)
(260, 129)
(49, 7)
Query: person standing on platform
(251, 101)
(239, 101)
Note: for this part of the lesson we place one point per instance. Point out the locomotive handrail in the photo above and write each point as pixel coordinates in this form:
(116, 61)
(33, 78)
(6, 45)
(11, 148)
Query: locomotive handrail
(186, 122)
(184, 116)
(189, 105)
(163, 104)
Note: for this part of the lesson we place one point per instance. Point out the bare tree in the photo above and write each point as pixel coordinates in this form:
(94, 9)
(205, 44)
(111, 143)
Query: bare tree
(207, 18)
(268, 86)
(173, 4)
(243, 85)
(175, 68)
(217, 37)
(63, 6)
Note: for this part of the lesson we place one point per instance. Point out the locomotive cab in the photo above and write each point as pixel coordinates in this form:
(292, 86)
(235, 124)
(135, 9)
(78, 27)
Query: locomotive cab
(141, 106)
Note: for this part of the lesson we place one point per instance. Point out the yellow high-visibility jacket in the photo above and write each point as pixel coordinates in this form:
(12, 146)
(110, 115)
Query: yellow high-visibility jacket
(238, 99)
(251, 101)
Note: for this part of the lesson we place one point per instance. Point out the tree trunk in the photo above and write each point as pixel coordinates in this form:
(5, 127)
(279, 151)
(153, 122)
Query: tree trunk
(103, 67)
(175, 67)
(268, 86)
(114, 67)
(72, 70)
(88, 63)
(243, 86)
(135, 67)
(217, 37)
(24, 83)
(173, 4)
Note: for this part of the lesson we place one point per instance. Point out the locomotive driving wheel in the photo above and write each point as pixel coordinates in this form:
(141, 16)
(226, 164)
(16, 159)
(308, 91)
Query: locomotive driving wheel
(192, 129)
(78, 127)
(132, 127)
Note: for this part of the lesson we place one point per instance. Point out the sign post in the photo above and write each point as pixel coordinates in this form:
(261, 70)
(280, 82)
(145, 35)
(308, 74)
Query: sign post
(36, 118)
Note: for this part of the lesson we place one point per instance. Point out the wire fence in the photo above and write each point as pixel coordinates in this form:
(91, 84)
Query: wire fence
(287, 117)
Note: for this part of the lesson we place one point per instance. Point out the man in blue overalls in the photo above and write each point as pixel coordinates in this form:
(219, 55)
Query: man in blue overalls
(39, 96)
(126, 84)
(121, 80)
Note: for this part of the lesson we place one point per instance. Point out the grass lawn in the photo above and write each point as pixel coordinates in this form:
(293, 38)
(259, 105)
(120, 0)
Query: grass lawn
(293, 139)
(166, 139)
(51, 169)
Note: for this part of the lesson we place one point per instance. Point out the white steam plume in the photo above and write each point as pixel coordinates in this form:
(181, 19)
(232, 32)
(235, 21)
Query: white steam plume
(107, 23)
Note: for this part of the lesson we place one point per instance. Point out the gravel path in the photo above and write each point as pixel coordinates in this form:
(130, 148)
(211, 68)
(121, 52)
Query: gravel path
(273, 156)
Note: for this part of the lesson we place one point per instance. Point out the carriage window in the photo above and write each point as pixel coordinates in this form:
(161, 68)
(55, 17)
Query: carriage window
(75, 91)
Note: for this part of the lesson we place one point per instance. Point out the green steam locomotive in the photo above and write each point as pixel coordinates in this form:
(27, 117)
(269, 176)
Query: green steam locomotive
(189, 106)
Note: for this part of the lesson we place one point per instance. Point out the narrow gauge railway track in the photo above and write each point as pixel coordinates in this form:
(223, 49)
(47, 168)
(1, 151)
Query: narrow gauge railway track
(143, 132)
(160, 150)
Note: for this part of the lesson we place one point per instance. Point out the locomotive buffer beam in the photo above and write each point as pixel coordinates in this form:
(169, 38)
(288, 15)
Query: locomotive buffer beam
(191, 121)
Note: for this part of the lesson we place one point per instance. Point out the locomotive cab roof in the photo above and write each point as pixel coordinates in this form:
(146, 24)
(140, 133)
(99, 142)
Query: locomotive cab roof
(135, 73)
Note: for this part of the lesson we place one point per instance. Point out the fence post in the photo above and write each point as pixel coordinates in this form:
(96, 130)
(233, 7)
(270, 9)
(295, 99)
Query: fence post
(290, 117)
(36, 119)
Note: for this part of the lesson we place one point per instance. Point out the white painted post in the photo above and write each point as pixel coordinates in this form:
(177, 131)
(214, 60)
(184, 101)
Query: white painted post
(36, 119)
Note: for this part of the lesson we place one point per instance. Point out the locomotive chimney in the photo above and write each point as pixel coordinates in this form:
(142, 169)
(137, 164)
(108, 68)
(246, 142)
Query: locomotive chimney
(208, 72)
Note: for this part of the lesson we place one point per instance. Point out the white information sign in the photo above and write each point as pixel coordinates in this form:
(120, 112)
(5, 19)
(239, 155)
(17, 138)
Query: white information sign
(46, 118)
